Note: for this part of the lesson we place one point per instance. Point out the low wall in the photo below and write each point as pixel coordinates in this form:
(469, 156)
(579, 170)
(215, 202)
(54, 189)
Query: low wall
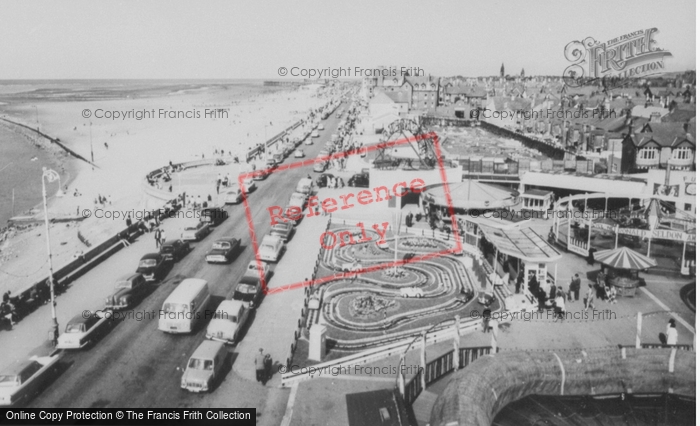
(476, 394)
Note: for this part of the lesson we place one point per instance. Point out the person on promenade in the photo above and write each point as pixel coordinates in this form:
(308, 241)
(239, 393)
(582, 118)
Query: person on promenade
(268, 368)
(260, 366)
(588, 298)
(519, 281)
(671, 332)
(128, 220)
(560, 306)
(574, 288)
(486, 318)
(157, 236)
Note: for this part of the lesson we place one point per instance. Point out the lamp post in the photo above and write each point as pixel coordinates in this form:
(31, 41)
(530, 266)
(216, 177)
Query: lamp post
(51, 176)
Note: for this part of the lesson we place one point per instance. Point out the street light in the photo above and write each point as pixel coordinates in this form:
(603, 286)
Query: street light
(51, 176)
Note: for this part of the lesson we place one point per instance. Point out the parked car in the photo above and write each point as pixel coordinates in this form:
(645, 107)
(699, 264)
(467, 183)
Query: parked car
(195, 231)
(249, 290)
(351, 267)
(308, 141)
(152, 266)
(305, 186)
(260, 174)
(229, 318)
(278, 157)
(249, 185)
(129, 290)
(270, 163)
(254, 270)
(322, 180)
(320, 166)
(22, 381)
(360, 180)
(412, 292)
(298, 154)
(314, 134)
(320, 126)
(233, 195)
(283, 230)
(223, 250)
(83, 330)
(297, 200)
(213, 216)
(271, 248)
(174, 250)
(205, 366)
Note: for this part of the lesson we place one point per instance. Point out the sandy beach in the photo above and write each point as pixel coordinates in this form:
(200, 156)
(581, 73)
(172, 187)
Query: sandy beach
(125, 149)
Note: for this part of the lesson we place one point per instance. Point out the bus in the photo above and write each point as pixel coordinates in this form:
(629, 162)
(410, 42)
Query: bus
(184, 307)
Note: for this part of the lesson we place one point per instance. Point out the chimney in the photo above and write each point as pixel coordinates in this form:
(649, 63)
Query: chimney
(685, 127)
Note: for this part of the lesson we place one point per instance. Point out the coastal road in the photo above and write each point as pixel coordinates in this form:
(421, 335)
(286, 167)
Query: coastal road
(135, 364)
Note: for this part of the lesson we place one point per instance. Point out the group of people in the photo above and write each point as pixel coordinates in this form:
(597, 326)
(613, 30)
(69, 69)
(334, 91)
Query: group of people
(263, 367)
(8, 312)
(548, 296)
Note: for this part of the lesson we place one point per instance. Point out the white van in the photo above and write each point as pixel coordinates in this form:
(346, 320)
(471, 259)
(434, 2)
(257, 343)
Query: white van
(184, 307)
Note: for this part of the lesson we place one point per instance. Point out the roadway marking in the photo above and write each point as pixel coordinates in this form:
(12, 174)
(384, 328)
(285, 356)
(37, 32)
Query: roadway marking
(666, 308)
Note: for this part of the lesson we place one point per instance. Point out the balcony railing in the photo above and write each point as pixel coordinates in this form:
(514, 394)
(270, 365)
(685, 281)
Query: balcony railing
(680, 162)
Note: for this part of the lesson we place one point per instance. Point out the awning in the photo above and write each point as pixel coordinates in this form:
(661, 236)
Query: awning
(624, 258)
(524, 244)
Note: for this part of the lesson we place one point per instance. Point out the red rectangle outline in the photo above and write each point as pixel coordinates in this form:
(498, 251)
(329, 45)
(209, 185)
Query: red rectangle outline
(388, 144)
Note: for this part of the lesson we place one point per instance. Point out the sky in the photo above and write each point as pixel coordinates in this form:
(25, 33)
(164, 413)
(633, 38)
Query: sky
(253, 39)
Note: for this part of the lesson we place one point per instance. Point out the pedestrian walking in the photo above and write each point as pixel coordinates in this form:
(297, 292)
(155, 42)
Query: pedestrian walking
(128, 220)
(588, 298)
(268, 367)
(157, 236)
(671, 332)
(260, 366)
(574, 288)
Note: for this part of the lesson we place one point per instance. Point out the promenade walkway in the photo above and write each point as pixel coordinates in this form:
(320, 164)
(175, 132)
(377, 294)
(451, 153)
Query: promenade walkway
(276, 318)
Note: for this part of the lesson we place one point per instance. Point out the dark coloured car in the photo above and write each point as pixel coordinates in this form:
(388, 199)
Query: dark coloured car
(223, 250)
(213, 215)
(249, 289)
(174, 249)
(128, 292)
(152, 266)
(322, 181)
(360, 180)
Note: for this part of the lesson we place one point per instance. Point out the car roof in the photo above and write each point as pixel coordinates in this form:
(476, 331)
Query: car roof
(18, 367)
(207, 349)
(270, 237)
(80, 319)
(230, 306)
(151, 256)
(129, 277)
(171, 242)
(226, 240)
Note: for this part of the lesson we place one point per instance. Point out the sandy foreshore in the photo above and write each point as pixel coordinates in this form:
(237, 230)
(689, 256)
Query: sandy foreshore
(124, 150)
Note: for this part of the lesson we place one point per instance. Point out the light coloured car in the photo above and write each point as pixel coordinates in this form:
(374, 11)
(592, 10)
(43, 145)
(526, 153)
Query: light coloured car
(254, 270)
(315, 134)
(270, 248)
(229, 318)
(298, 154)
(283, 230)
(249, 184)
(321, 127)
(308, 141)
(412, 292)
(20, 382)
(233, 195)
(83, 330)
(195, 231)
(351, 267)
(297, 200)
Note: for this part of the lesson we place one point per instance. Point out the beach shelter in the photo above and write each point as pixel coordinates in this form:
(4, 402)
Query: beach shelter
(624, 258)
